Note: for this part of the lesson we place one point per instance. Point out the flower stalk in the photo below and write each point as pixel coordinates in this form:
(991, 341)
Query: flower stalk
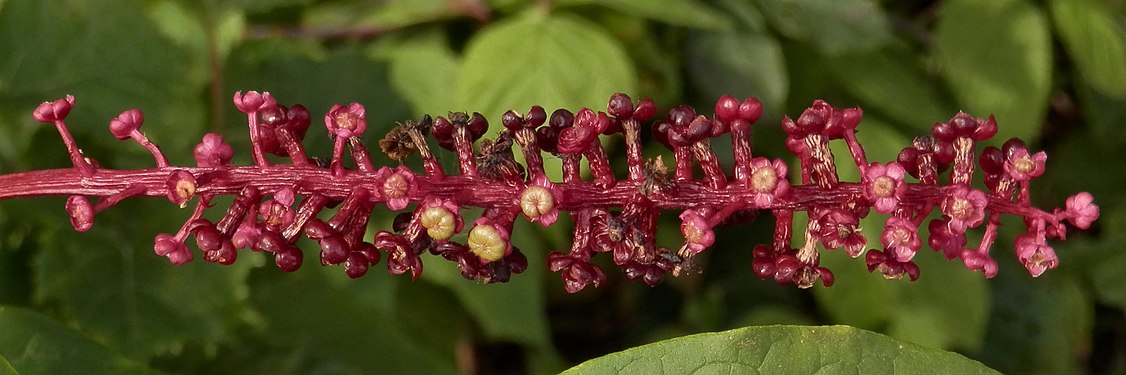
(611, 215)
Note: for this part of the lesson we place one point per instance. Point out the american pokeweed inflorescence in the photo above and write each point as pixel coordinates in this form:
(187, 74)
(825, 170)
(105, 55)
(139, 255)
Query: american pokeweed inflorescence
(275, 204)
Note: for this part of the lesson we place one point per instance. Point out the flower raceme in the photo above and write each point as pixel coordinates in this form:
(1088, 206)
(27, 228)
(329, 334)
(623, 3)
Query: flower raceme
(276, 204)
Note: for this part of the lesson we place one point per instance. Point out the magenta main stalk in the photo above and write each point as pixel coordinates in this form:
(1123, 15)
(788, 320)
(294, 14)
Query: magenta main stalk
(275, 204)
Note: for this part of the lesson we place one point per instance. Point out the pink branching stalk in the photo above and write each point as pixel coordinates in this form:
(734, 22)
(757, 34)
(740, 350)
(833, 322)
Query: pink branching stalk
(277, 203)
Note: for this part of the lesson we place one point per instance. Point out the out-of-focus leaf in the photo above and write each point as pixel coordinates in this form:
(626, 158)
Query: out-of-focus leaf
(424, 70)
(946, 308)
(110, 56)
(389, 14)
(691, 13)
(832, 26)
(202, 34)
(1096, 45)
(783, 349)
(1037, 326)
(740, 64)
(330, 328)
(110, 282)
(510, 311)
(6, 367)
(33, 344)
(555, 61)
(894, 84)
(997, 58)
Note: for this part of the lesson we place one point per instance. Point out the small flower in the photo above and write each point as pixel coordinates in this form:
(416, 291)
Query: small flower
(181, 187)
(768, 180)
(246, 236)
(901, 238)
(539, 200)
(883, 185)
(440, 218)
(253, 101)
(577, 272)
(54, 111)
(979, 261)
(81, 213)
(1021, 166)
(841, 228)
(124, 125)
(212, 151)
(891, 268)
(169, 246)
(698, 234)
(489, 241)
(276, 213)
(396, 185)
(346, 122)
(1081, 210)
(942, 239)
(1035, 254)
(965, 207)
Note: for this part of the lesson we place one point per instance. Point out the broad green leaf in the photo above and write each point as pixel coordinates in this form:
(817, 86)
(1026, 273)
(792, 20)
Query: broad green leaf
(740, 63)
(946, 308)
(1038, 326)
(894, 84)
(1094, 42)
(424, 71)
(188, 27)
(33, 343)
(555, 61)
(110, 56)
(509, 311)
(112, 285)
(334, 328)
(833, 27)
(691, 13)
(783, 350)
(6, 367)
(997, 58)
(389, 14)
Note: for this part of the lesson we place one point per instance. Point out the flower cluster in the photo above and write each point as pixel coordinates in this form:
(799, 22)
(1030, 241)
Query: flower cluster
(275, 204)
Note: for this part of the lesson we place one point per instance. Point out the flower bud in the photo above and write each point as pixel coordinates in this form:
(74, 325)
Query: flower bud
(126, 123)
(54, 111)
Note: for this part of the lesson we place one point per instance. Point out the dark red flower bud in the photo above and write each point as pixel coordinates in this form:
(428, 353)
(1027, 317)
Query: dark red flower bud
(54, 111)
(253, 101)
(645, 110)
(620, 106)
(213, 151)
(727, 108)
(123, 126)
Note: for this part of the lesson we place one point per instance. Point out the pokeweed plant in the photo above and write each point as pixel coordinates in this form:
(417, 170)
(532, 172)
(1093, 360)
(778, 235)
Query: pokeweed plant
(277, 203)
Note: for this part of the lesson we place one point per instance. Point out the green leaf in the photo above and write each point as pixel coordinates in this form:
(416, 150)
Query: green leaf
(740, 64)
(1095, 43)
(833, 27)
(691, 13)
(33, 343)
(894, 84)
(110, 282)
(946, 308)
(327, 327)
(1038, 326)
(424, 71)
(389, 14)
(52, 48)
(997, 58)
(555, 61)
(783, 349)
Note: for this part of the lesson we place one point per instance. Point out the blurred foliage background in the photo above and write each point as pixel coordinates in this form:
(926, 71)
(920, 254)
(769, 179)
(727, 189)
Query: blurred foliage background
(1052, 71)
